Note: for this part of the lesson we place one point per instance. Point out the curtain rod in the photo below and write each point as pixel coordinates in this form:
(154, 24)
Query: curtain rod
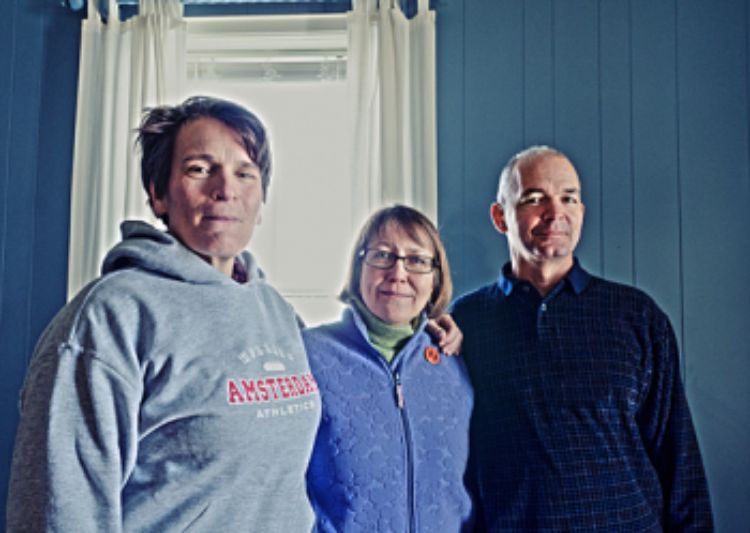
(129, 8)
(77, 5)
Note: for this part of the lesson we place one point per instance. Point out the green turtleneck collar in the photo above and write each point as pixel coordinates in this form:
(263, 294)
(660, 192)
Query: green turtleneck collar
(387, 339)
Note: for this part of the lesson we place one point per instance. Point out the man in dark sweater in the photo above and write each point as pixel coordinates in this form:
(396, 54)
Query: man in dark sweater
(580, 420)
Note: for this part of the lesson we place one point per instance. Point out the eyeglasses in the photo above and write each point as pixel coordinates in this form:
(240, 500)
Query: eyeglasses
(416, 264)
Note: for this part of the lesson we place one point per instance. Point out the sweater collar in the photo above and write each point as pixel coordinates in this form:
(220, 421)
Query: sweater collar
(576, 279)
(387, 339)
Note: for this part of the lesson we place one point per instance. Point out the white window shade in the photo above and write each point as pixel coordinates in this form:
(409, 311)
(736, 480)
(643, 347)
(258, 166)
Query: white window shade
(270, 48)
(291, 71)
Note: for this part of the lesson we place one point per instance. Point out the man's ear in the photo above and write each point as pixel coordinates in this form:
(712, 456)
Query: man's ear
(159, 205)
(497, 213)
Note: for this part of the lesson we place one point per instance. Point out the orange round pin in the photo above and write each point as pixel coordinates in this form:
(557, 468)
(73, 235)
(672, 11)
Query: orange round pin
(432, 355)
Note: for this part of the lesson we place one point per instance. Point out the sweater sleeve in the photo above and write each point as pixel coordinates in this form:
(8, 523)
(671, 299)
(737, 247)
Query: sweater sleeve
(670, 438)
(76, 442)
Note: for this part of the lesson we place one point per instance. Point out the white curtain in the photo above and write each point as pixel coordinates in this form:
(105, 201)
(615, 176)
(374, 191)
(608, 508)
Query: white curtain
(391, 71)
(124, 67)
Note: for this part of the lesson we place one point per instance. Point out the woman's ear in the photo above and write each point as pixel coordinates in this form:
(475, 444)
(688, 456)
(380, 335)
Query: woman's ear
(159, 205)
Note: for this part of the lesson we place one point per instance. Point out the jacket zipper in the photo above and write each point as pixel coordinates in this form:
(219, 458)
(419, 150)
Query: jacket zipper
(399, 392)
(400, 403)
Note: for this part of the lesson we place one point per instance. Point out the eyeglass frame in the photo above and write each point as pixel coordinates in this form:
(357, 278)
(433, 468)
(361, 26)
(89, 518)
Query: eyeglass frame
(434, 262)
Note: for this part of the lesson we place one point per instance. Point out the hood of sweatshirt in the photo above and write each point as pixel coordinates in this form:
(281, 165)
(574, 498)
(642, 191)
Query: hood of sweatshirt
(145, 247)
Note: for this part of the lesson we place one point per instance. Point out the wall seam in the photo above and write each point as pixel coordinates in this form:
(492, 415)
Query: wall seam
(747, 84)
(464, 211)
(6, 148)
(631, 118)
(680, 218)
(524, 138)
(35, 190)
(602, 181)
(554, 72)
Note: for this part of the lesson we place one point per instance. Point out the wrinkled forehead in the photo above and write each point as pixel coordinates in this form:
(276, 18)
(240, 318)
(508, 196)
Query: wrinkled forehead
(392, 231)
(551, 172)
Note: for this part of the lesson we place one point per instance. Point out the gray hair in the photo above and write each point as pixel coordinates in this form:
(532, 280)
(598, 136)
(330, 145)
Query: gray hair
(509, 176)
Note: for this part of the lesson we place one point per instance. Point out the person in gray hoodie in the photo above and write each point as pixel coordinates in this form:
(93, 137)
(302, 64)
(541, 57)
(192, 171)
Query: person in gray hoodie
(173, 392)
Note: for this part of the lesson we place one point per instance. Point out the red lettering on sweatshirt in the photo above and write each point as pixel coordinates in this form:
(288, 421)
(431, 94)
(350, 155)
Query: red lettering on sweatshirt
(282, 382)
(270, 389)
(271, 382)
(234, 394)
(299, 385)
(248, 387)
(262, 391)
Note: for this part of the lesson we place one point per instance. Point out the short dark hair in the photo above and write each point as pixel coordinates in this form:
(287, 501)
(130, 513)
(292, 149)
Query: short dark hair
(160, 125)
(416, 226)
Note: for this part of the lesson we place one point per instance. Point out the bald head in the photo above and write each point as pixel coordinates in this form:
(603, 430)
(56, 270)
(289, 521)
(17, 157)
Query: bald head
(539, 210)
(509, 184)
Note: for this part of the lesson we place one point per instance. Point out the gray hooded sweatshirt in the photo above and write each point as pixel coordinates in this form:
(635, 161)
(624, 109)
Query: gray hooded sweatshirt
(166, 397)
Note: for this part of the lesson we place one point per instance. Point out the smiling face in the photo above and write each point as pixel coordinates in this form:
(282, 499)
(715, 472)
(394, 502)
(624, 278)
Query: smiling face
(394, 295)
(543, 214)
(214, 198)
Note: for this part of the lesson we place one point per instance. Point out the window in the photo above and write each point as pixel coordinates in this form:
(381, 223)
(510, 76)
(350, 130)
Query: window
(291, 71)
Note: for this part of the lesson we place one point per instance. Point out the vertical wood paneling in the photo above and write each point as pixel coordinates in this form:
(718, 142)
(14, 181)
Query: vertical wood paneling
(493, 120)
(59, 72)
(8, 379)
(450, 76)
(576, 73)
(37, 106)
(7, 44)
(538, 80)
(19, 207)
(652, 101)
(15, 334)
(713, 103)
(656, 209)
(615, 125)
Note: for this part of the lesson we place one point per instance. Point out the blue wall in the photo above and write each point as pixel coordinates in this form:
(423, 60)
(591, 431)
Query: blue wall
(650, 100)
(39, 65)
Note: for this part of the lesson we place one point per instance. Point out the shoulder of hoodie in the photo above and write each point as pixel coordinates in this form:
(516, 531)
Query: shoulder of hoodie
(135, 285)
(113, 305)
(111, 290)
(123, 290)
(66, 332)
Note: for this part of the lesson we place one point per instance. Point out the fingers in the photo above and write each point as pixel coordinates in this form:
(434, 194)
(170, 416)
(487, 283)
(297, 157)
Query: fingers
(451, 344)
(446, 334)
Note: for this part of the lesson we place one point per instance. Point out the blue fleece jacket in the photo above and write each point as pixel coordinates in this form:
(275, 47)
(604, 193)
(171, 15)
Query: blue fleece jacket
(391, 450)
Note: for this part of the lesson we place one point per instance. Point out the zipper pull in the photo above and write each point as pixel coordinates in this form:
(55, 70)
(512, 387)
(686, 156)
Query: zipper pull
(399, 392)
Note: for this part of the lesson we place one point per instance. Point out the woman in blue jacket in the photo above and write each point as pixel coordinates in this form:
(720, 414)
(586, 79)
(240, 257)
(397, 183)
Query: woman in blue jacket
(391, 450)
